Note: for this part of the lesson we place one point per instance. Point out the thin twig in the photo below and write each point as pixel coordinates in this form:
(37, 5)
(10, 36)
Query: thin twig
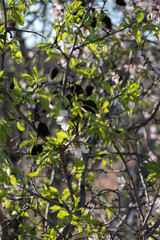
(9, 29)
(21, 115)
(102, 38)
(65, 170)
(146, 121)
(72, 50)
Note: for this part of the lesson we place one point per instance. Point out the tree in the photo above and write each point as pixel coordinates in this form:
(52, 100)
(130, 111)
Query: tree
(79, 128)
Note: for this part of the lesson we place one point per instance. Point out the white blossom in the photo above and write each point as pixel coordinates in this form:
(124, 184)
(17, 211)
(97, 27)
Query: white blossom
(121, 182)
(157, 205)
(62, 120)
(156, 208)
(153, 8)
(131, 105)
(77, 150)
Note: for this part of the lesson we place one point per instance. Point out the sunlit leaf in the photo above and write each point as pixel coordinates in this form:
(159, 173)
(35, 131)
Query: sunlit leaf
(140, 16)
(20, 126)
(55, 208)
(44, 101)
(17, 17)
(108, 87)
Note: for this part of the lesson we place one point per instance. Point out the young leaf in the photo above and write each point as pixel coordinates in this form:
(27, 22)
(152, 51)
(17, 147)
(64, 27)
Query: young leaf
(137, 34)
(13, 180)
(17, 17)
(20, 126)
(62, 214)
(33, 174)
(16, 54)
(108, 87)
(61, 135)
(24, 143)
(140, 17)
(44, 101)
(55, 208)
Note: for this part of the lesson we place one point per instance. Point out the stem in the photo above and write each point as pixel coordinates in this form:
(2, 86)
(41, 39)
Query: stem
(65, 170)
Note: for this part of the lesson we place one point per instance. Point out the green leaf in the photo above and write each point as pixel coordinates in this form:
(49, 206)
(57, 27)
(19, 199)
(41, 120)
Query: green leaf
(44, 101)
(109, 213)
(20, 237)
(25, 75)
(105, 48)
(25, 214)
(61, 134)
(54, 191)
(17, 17)
(20, 126)
(104, 162)
(140, 17)
(44, 45)
(62, 214)
(105, 104)
(1, 74)
(21, 7)
(137, 34)
(16, 54)
(108, 87)
(24, 143)
(33, 174)
(74, 223)
(2, 29)
(55, 208)
(10, 2)
(5, 129)
(13, 180)
(64, 35)
(83, 71)
(90, 38)
(75, 5)
(65, 194)
(34, 71)
(136, 9)
(72, 62)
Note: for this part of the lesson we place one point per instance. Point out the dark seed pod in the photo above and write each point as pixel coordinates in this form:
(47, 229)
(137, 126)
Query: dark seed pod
(37, 149)
(89, 90)
(107, 21)
(11, 86)
(90, 106)
(36, 117)
(69, 97)
(94, 22)
(121, 3)
(37, 111)
(55, 91)
(43, 129)
(54, 72)
(77, 89)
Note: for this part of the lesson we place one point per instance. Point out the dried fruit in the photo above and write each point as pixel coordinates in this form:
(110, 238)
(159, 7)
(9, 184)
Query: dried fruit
(37, 149)
(43, 129)
(121, 3)
(77, 89)
(107, 21)
(54, 72)
(89, 90)
(11, 86)
(89, 105)
(94, 22)
(69, 97)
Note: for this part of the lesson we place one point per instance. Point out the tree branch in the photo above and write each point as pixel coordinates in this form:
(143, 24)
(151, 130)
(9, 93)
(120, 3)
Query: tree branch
(9, 29)
(145, 122)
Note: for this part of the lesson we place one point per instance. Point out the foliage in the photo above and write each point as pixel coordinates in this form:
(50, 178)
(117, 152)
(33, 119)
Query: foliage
(79, 131)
